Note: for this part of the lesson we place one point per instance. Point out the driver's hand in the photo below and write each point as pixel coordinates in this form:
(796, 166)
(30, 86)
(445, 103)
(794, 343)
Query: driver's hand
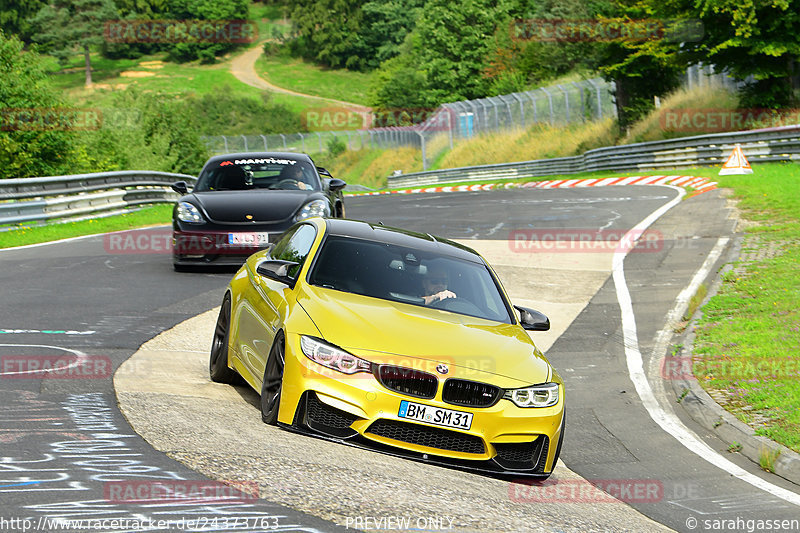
(302, 186)
(439, 296)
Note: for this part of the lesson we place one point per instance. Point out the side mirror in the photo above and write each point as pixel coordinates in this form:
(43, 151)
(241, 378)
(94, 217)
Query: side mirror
(336, 185)
(277, 269)
(533, 320)
(180, 187)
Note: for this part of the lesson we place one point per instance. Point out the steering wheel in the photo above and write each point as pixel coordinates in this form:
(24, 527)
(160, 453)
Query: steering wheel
(457, 305)
(288, 182)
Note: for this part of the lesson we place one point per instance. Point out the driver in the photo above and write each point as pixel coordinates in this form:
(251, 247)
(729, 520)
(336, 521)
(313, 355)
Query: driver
(296, 173)
(434, 286)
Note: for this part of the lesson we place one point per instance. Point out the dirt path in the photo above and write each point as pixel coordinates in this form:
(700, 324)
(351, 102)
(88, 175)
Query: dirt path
(243, 68)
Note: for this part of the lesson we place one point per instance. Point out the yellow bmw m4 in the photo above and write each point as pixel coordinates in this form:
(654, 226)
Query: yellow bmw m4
(394, 340)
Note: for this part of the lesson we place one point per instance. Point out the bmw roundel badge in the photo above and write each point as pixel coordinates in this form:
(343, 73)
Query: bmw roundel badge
(442, 369)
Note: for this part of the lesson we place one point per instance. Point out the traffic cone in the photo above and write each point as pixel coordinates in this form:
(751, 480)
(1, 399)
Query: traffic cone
(736, 163)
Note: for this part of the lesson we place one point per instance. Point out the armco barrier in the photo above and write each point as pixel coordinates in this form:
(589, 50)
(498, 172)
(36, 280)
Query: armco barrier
(37, 199)
(759, 146)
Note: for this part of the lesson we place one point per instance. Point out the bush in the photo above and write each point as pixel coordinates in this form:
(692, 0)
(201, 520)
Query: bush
(336, 146)
(28, 149)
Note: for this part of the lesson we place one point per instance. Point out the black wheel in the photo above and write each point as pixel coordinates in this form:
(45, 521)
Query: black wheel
(273, 382)
(218, 363)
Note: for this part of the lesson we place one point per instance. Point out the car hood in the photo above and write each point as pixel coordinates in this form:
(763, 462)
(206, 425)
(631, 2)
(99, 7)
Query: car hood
(387, 332)
(262, 204)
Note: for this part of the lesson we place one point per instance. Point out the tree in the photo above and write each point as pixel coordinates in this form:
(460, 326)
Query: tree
(216, 10)
(453, 46)
(15, 16)
(28, 146)
(329, 31)
(641, 55)
(66, 25)
(758, 39)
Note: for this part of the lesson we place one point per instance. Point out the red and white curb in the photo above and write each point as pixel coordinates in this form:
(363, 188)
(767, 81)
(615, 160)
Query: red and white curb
(697, 184)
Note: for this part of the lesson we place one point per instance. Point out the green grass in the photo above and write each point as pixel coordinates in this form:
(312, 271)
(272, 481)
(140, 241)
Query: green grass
(148, 216)
(307, 78)
(749, 335)
(170, 78)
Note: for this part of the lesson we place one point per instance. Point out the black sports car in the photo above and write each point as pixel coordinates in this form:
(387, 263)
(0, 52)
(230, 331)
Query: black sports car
(243, 202)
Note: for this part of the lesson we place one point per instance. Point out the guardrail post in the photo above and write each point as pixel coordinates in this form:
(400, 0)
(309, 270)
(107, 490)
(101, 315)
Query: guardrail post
(284, 140)
(225, 140)
(244, 140)
(264, 137)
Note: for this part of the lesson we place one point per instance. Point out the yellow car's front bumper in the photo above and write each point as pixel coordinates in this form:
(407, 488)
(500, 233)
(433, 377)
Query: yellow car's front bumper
(501, 438)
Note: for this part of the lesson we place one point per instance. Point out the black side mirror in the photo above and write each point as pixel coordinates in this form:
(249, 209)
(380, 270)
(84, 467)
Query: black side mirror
(532, 320)
(180, 187)
(277, 269)
(336, 185)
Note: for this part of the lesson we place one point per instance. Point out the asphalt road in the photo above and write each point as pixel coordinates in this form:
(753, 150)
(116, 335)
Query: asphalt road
(62, 441)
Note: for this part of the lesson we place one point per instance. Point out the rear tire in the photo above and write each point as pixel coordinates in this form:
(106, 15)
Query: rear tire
(218, 363)
(272, 384)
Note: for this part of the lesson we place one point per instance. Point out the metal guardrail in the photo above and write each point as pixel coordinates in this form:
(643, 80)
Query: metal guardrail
(759, 146)
(40, 199)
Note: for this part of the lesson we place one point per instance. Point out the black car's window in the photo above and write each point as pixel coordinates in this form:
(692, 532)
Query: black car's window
(295, 246)
(259, 173)
(401, 274)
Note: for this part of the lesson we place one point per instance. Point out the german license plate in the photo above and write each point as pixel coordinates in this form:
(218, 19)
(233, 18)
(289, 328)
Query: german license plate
(248, 239)
(435, 415)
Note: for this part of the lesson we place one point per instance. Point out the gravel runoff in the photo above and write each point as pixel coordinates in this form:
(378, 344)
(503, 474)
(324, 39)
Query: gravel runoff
(216, 430)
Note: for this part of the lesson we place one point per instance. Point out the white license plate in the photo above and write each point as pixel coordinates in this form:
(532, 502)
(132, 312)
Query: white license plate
(248, 239)
(435, 415)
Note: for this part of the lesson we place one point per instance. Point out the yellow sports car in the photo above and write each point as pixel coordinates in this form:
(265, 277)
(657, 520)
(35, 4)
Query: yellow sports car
(399, 341)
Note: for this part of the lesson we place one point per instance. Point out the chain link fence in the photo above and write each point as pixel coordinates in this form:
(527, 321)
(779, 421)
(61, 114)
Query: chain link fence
(559, 104)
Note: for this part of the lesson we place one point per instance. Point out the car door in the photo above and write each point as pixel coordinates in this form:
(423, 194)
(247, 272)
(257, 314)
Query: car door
(266, 306)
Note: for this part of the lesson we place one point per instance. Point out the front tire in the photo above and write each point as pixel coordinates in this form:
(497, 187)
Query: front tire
(272, 384)
(218, 363)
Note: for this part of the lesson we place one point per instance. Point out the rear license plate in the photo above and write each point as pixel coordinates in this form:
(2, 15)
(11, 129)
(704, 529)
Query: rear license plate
(435, 415)
(248, 239)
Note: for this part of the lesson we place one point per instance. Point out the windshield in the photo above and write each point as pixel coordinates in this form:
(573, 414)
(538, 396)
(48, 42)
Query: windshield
(263, 173)
(406, 275)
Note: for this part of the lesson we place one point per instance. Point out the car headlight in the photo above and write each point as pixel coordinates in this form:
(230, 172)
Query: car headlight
(333, 357)
(189, 213)
(544, 395)
(314, 208)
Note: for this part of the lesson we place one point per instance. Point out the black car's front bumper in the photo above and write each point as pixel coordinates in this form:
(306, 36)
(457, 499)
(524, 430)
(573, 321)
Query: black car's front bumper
(214, 247)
